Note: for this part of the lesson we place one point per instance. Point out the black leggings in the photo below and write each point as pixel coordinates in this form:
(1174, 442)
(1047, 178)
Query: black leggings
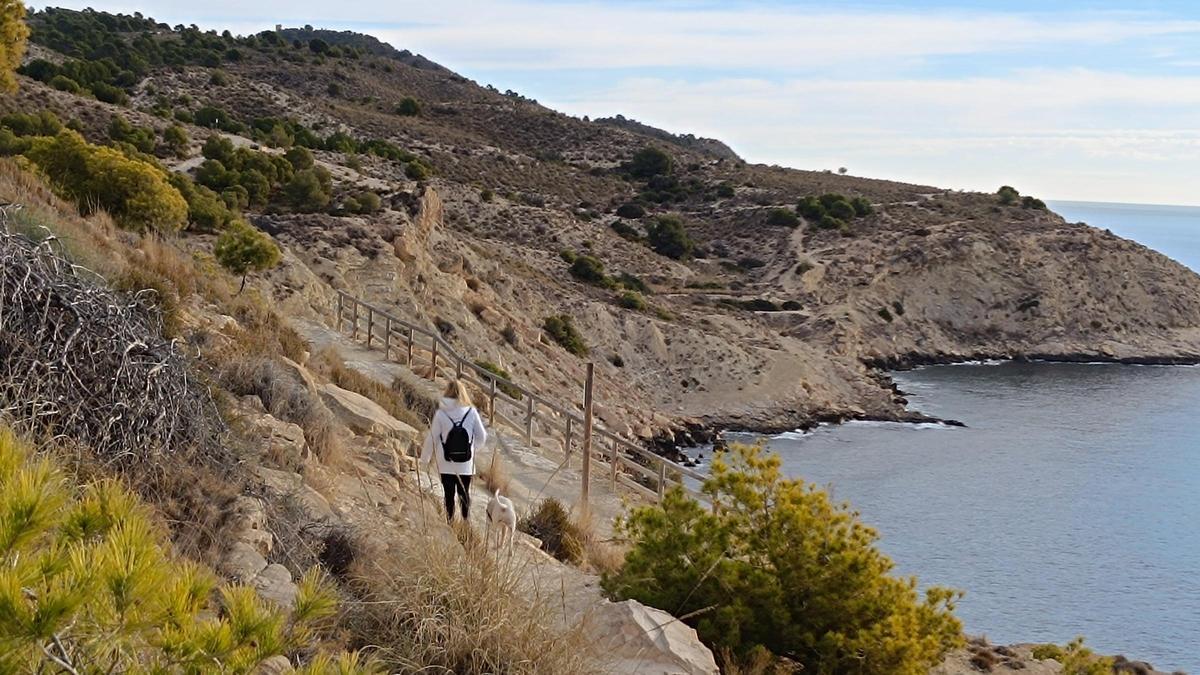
(452, 483)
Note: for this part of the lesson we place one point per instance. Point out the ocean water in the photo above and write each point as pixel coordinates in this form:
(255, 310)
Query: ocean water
(1070, 505)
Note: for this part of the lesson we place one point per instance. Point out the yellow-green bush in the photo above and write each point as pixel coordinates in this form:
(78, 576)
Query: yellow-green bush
(137, 194)
(12, 41)
(1076, 659)
(778, 565)
(86, 585)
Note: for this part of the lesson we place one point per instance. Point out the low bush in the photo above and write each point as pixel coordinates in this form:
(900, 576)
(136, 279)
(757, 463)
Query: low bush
(408, 107)
(632, 300)
(648, 163)
(562, 330)
(438, 606)
(630, 210)
(632, 282)
(587, 268)
(551, 524)
(775, 564)
(626, 231)
(1007, 195)
(782, 218)
(1076, 659)
(499, 372)
(667, 236)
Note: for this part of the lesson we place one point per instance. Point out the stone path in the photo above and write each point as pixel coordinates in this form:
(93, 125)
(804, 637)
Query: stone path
(535, 473)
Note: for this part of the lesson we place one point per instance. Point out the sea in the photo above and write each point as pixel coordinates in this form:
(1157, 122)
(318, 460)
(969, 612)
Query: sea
(1070, 503)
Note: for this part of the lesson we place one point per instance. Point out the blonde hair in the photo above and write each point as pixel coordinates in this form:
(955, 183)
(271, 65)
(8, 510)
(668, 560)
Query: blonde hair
(457, 390)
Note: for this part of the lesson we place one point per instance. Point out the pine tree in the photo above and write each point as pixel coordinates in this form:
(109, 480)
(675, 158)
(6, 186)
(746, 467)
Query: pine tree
(241, 249)
(87, 586)
(13, 32)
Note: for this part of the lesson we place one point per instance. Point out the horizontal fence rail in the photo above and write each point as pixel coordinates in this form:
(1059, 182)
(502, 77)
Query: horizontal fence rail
(538, 420)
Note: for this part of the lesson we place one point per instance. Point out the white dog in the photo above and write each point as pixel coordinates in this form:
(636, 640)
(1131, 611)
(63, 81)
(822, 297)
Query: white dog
(500, 512)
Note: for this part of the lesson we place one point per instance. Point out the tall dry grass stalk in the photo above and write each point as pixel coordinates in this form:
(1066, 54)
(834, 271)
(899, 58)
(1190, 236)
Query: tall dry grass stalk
(495, 475)
(441, 606)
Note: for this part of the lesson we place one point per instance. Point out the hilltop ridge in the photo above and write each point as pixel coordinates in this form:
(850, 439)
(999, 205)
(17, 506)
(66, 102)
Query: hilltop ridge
(770, 316)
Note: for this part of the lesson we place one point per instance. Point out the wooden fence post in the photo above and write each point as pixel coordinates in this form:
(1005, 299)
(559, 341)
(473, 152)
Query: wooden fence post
(529, 420)
(433, 371)
(567, 441)
(662, 480)
(492, 407)
(354, 332)
(616, 460)
(370, 325)
(408, 359)
(387, 337)
(587, 437)
(338, 324)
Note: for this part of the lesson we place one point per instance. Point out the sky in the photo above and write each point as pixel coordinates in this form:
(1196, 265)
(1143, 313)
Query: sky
(1061, 99)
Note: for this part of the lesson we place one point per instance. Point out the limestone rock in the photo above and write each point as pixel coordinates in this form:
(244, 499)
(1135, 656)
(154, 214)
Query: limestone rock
(261, 540)
(647, 640)
(283, 442)
(242, 562)
(362, 415)
(274, 583)
(276, 665)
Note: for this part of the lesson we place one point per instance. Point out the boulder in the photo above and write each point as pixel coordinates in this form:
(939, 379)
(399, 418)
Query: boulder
(276, 665)
(283, 442)
(362, 415)
(647, 640)
(242, 562)
(274, 583)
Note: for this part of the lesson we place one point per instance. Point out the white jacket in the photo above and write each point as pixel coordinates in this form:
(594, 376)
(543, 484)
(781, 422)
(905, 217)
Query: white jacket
(443, 421)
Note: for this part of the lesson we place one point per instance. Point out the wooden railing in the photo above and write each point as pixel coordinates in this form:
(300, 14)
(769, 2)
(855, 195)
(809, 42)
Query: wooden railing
(536, 418)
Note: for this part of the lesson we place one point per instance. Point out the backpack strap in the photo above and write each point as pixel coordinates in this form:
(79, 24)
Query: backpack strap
(464, 419)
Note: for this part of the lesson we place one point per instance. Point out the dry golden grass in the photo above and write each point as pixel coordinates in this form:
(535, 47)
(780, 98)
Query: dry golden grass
(495, 475)
(758, 662)
(329, 364)
(285, 397)
(440, 606)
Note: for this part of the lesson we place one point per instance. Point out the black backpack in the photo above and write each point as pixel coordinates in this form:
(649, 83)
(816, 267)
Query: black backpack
(457, 446)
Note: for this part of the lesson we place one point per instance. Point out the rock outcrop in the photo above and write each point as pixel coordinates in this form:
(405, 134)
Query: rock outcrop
(641, 639)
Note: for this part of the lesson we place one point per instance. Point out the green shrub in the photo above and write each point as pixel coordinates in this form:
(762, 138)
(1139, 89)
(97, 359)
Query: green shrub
(417, 170)
(501, 373)
(309, 190)
(840, 209)
(828, 222)
(1028, 202)
(649, 162)
(782, 218)
(1008, 195)
(218, 78)
(885, 314)
(632, 300)
(862, 206)
(562, 330)
(486, 195)
(667, 236)
(121, 131)
(568, 255)
(64, 83)
(44, 123)
(408, 107)
(552, 525)
(589, 269)
(241, 249)
(632, 282)
(87, 580)
(108, 93)
(137, 194)
(811, 208)
(1076, 659)
(175, 139)
(626, 231)
(725, 191)
(777, 565)
(631, 210)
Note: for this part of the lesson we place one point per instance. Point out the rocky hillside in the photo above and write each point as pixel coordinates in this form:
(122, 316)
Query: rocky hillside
(495, 213)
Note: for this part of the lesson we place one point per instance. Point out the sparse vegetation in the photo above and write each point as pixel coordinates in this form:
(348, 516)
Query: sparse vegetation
(550, 523)
(408, 107)
(649, 162)
(241, 249)
(667, 236)
(632, 300)
(561, 329)
(806, 581)
(1076, 659)
(782, 218)
(503, 374)
(589, 269)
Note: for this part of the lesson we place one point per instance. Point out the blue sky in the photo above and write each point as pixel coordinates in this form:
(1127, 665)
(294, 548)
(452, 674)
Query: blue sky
(1065, 100)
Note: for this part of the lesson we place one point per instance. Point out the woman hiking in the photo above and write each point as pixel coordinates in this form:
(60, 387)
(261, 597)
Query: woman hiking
(455, 433)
